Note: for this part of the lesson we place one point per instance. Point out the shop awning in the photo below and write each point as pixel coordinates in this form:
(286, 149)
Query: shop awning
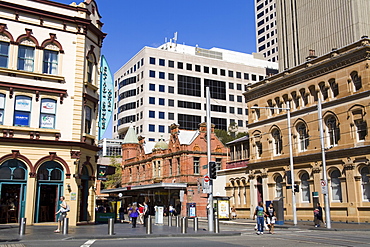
(166, 186)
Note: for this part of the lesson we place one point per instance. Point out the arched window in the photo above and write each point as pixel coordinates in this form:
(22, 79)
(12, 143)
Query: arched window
(334, 87)
(323, 90)
(332, 130)
(305, 187)
(26, 55)
(13, 170)
(356, 80)
(4, 52)
(365, 181)
(50, 171)
(257, 145)
(336, 189)
(2, 106)
(303, 139)
(279, 186)
(277, 141)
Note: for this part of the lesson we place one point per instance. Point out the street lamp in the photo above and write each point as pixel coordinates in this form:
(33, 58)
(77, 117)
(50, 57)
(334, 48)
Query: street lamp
(294, 206)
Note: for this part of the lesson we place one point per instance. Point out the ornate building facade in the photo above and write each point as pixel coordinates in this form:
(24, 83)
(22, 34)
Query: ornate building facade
(169, 173)
(259, 168)
(48, 108)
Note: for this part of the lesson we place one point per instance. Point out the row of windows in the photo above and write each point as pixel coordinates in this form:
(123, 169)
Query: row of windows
(47, 116)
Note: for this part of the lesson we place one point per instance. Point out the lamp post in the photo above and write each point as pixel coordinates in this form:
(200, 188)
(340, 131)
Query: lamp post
(294, 204)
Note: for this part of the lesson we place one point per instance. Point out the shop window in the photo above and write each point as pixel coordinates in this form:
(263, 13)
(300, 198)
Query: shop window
(305, 187)
(47, 113)
(50, 170)
(22, 112)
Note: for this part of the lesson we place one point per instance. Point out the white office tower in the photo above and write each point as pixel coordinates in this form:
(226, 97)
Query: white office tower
(165, 85)
(266, 29)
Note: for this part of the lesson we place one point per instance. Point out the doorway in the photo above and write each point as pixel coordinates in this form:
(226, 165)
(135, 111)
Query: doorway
(47, 203)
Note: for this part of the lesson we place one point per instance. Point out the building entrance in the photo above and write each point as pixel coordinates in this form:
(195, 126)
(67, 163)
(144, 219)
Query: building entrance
(47, 203)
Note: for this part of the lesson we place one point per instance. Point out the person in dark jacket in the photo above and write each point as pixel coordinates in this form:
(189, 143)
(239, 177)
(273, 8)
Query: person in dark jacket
(318, 215)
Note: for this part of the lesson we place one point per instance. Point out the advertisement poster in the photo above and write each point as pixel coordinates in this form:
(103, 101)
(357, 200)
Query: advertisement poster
(47, 121)
(102, 170)
(21, 118)
(48, 106)
(223, 209)
(2, 101)
(23, 103)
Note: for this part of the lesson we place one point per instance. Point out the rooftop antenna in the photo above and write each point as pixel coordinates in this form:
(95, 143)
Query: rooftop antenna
(175, 39)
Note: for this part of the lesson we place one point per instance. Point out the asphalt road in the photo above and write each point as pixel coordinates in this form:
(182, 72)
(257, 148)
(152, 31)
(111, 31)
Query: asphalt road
(282, 237)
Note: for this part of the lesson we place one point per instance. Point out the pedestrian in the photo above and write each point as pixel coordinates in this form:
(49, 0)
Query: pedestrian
(233, 212)
(260, 213)
(318, 215)
(64, 208)
(270, 217)
(146, 213)
(134, 214)
(172, 210)
(121, 212)
(141, 214)
(128, 213)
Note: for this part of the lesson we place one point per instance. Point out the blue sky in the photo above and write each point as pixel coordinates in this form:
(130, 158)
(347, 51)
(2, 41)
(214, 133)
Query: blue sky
(131, 25)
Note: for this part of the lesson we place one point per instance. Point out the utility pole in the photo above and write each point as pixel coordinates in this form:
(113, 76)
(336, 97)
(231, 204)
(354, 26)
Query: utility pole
(210, 193)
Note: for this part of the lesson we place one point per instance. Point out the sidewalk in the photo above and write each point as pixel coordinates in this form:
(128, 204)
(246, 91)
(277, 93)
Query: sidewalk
(309, 225)
(10, 232)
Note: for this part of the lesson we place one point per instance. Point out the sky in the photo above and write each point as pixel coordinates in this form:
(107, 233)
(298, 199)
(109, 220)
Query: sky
(132, 24)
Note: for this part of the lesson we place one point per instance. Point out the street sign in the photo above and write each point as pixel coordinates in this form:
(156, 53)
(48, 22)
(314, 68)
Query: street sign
(324, 187)
(205, 185)
(206, 178)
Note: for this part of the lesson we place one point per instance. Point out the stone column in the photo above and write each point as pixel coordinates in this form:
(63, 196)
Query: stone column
(253, 193)
(352, 192)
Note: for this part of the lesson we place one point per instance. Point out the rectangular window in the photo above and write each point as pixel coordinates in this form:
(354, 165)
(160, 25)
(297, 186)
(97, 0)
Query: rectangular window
(214, 71)
(47, 113)
(240, 123)
(152, 73)
(151, 100)
(189, 105)
(171, 102)
(171, 89)
(222, 72)
(254, 77)
(151, 114)
(188, 122)
(161, 88)
(161, 75)
(217, 89)
(161, 62)
(206, 69)
(161, 115)
(161, 101)
(4, 54)
(246, 76)
(171, 64)
(171, 116)
(197, 68)
(180, 65)
(188, 85)
(26, 58)
(2, 106)
(196, 165)
(152, 60)
(171, 77)
(231, 97)
(22, 111)
(189, 66)
(238, 86)
(151, 128)
(240, 111)
(239, 98)
(88, 119)
(232, 110)
(151, 87)
(161, 128)
(218, 164)
(238, 75)
(231, 73)
(231, 85)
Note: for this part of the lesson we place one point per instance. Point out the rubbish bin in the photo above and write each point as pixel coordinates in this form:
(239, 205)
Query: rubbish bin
(159, 215)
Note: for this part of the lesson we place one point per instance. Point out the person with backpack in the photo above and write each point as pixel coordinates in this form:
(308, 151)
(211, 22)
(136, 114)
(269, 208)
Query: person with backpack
(260, 213)
(63, 210)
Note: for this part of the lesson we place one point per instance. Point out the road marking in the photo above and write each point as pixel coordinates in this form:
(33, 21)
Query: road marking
(88, 243)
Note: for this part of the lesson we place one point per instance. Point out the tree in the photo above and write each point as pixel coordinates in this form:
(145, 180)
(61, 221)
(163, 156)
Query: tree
(114, 180)
(225, 137)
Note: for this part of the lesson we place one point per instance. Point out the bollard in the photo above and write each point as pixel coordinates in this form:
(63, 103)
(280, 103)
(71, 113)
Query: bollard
(110, 226)
(22, 226)
(183, 225)
(170, 220)
(178, 221)
(195, 224)
(149, 226)
(65, 226)
(217, 226)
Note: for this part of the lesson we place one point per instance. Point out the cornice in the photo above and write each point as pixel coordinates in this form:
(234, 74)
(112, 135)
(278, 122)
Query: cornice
(288, 79)
(33, 75)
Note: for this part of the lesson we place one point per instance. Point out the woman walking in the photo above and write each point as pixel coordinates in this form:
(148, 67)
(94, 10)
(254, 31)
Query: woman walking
(270, 217)
(134, 214)
(260, 213)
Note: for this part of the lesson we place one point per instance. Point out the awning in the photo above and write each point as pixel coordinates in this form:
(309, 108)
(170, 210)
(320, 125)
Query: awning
(166, 186)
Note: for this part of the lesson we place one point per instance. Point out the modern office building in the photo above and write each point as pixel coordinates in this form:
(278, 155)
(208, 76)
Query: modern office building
(259, 169)
(49, 85)
(318, 25)
(266, 29)
(165, 85)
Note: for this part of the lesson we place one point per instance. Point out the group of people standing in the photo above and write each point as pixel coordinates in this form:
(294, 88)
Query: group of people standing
(137, 214)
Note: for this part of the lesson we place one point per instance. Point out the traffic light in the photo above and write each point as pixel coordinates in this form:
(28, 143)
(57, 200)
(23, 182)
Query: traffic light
(212, 170)
(296, 188)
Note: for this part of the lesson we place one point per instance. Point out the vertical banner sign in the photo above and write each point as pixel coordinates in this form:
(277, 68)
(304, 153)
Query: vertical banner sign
(106, 97)
(102, 171)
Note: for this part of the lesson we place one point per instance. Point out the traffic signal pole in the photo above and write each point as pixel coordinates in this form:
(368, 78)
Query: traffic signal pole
(210, 193)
